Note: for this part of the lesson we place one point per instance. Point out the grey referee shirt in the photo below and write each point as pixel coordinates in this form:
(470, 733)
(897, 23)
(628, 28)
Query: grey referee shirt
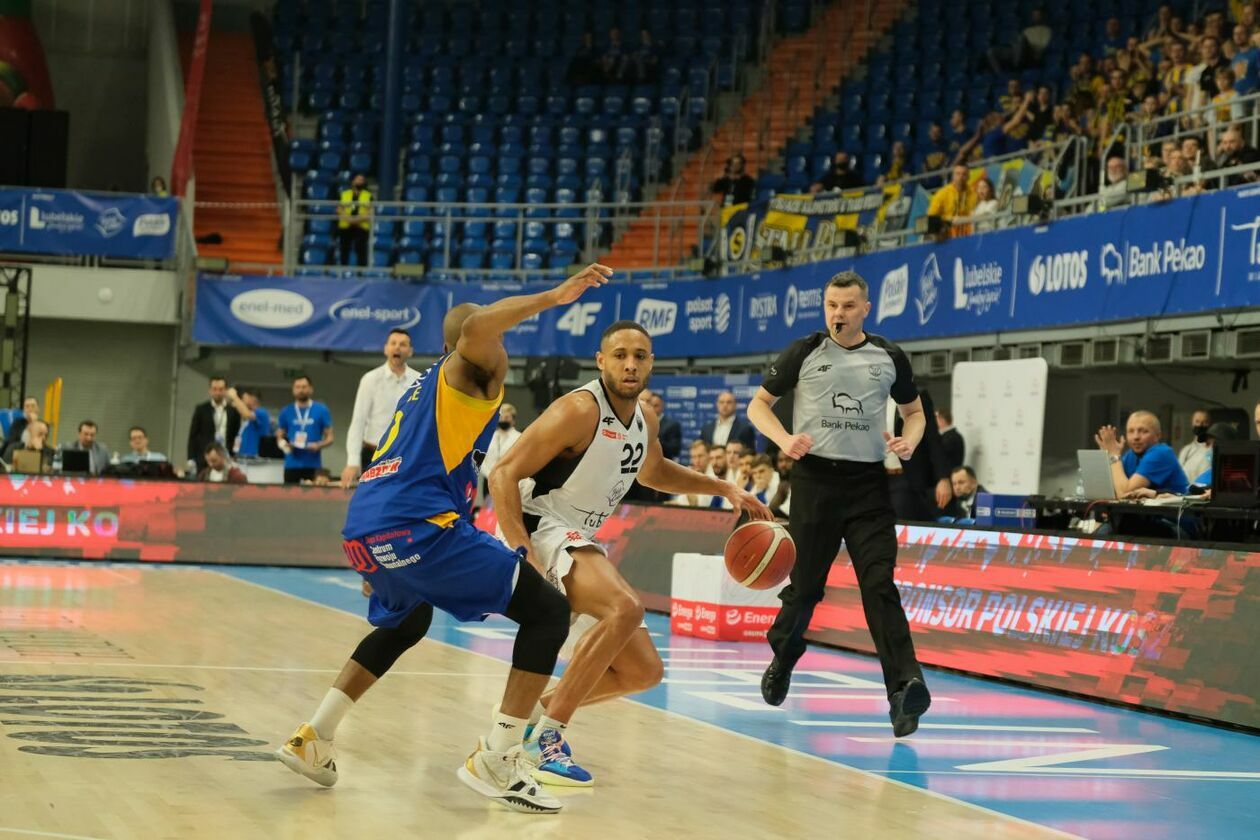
(842, 394)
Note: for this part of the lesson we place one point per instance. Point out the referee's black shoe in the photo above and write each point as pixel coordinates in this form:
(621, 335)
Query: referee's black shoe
(905, 706)
(775, 682)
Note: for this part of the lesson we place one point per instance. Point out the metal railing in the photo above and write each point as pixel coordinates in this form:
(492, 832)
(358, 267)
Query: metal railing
(1194, 122)
(592, 226)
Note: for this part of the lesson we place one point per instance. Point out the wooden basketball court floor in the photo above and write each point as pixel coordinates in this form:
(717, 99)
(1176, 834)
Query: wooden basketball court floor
(144, 702)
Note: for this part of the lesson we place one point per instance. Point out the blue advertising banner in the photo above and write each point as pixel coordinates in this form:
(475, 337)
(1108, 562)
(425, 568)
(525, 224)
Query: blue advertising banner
(1199, 254)
(78, 224)
(692, 400)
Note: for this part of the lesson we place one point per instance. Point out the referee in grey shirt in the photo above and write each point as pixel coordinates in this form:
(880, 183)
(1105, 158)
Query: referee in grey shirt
(843, 379)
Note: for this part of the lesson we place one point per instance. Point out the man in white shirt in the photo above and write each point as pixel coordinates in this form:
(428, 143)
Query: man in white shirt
(378, 395)
(1196, 456)
(728, 425)
(504, 436)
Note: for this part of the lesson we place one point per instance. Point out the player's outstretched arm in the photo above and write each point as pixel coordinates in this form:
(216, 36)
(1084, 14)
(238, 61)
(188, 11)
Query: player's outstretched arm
(662, 474)
(481, 339)
(567, 425)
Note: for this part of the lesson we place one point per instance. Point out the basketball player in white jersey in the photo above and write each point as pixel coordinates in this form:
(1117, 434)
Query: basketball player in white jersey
(566, 474)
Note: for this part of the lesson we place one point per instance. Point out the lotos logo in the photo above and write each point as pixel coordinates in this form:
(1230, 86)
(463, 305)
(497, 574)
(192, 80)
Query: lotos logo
(929, 278)
(9, 218)
(400, 318)
(894, 291)
(790, 302)
(110, 222)
(1111, 264)
(656, 316)
(272, 309)
(578, 317)
(846, 404)
(151, 224)
(1058, 272)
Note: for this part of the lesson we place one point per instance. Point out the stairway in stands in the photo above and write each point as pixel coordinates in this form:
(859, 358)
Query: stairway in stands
(232, 155)
(801, 72)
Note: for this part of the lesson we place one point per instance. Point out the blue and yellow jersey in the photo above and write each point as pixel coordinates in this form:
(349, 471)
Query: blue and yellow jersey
(425, 466)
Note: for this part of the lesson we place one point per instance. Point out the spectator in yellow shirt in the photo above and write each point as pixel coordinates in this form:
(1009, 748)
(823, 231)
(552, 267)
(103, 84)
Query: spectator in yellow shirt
(954, 200)
(355, 211)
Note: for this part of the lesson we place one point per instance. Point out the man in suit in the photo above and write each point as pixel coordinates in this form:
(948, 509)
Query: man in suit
(963, 480)
(951, 439)
(670, 434)
(98, 455)
(214, 421)
(729, 426)
(920, 487)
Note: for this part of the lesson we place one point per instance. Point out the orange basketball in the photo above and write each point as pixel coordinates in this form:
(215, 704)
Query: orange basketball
(760, 554)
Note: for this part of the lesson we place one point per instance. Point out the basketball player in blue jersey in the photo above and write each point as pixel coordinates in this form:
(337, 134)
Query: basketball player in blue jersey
(409, 533)
(553, 490)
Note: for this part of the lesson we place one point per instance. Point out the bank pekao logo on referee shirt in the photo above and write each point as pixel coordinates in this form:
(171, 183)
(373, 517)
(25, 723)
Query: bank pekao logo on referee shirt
(846, 404)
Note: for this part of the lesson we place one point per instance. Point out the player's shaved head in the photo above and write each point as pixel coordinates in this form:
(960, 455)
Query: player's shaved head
(454, 322)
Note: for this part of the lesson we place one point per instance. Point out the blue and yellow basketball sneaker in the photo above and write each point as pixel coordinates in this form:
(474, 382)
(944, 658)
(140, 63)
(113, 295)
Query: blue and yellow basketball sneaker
(554, 764)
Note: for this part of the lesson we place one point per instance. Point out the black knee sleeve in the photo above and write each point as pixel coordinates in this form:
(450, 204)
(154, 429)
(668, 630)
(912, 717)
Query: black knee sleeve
(543, 614)
(381, 648)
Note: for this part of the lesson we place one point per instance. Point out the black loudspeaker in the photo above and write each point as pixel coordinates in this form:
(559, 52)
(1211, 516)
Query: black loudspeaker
(49, 140)
(14, 143)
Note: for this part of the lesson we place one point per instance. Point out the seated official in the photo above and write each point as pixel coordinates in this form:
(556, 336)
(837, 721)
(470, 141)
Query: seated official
(35, 457)
(140, 453)
(219, 469)
(1202, 483)
(966, 488)
(1140, 461)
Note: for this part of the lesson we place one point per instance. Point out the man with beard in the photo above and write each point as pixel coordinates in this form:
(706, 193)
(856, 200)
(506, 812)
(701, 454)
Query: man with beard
(553, 491)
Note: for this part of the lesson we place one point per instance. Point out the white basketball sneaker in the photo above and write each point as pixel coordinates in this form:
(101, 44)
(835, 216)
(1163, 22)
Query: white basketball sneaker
(508, 778)
(306, 753)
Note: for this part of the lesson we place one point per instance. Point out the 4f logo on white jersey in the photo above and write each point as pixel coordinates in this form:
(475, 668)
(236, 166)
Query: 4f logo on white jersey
(578, 317)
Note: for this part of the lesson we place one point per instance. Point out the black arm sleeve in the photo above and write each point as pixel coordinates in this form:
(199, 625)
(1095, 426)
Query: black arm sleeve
(903, 388)
(784, 372)
(931, 442)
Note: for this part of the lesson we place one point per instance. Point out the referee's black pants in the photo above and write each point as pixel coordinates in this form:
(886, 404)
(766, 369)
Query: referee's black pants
(834, 501)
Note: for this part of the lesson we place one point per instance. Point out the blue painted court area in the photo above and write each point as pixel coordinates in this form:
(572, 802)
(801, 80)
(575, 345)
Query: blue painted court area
(1084, 768)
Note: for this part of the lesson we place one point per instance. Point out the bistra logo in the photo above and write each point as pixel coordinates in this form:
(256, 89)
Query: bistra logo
(656, 316)
(1058, 272)
(400, 318)
(272, 309)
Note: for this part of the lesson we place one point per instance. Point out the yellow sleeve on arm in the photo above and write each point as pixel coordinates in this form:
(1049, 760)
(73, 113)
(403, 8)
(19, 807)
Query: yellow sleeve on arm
(936, 206)
(460, 419)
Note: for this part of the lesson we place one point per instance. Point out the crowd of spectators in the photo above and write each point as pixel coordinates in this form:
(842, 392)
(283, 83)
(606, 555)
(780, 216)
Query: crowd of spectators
(1179, 86)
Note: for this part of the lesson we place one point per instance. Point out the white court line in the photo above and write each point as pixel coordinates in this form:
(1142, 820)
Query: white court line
(697, 650)
(30, 832)
(238, 668)
(685, 663)
(831, 763)
(972, 727)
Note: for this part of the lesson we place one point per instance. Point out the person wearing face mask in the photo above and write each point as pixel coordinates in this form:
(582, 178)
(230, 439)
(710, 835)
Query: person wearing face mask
(1196, 456)
(504, 437)
(735, 186)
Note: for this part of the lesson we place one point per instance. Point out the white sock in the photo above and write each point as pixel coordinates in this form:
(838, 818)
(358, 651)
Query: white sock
(334, 707)
(506, 732)
(547, 723)
(537, 714)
